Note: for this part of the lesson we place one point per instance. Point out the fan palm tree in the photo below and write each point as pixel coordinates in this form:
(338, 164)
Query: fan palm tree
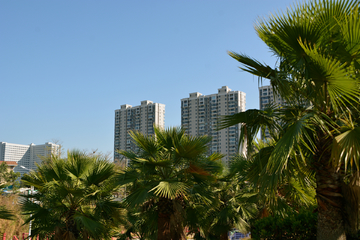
(169, 171)
(232, 208)
(141, 223)
(292, 190)
(73, 198)
(318, 49)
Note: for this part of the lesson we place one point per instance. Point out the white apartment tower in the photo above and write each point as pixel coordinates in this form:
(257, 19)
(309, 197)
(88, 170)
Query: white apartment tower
(26, 156)
(266, 96)
(199, 114)
(139, 118)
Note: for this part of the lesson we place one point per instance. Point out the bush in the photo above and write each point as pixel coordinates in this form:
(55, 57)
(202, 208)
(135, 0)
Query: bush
(300, 225)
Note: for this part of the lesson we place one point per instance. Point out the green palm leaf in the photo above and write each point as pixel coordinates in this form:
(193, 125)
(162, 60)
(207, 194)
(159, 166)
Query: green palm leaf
(253, 66)
(252, 121)
(91, 225)
(5, 214)
(170, 190)
(139, 195)
(346, 148)
(317, 45)
(170, 170)
(73, 198)
(332, 73)
(297, 132)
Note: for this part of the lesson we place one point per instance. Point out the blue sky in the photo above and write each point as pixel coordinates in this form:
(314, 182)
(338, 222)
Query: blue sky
(65, 66)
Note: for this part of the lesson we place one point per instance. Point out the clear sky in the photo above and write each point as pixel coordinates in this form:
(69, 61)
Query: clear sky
(65, 66)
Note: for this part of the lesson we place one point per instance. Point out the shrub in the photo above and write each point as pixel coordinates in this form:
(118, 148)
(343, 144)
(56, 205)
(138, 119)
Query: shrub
(300, 226)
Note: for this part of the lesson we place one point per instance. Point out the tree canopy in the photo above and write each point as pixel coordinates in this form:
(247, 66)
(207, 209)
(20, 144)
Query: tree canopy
(317, 44)
(73, 198)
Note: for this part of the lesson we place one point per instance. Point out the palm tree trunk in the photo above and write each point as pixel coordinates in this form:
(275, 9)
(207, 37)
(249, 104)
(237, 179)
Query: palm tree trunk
(163, 227)
(331, 224)
(164, 208)
(351, 192)
(224, 236)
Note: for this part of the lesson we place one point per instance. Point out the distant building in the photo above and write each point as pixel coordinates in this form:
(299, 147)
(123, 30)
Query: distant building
(199, 114)
(26, 155)
(266, 96)
(139, 118)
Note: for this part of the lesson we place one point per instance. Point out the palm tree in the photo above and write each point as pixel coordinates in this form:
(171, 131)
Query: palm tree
(292, 190)
(73, 198)
(318, 49)
(232, 208)
(168, 172)
(139, 223)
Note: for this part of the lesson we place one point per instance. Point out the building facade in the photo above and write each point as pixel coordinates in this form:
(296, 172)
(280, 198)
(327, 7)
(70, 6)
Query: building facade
(199, 114)
(26, 156)
(267, 96)
(139, 118)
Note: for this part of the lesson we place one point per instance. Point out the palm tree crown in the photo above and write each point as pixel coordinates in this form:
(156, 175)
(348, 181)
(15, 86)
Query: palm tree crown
(73, 198)
(317, 44)
(170, 170)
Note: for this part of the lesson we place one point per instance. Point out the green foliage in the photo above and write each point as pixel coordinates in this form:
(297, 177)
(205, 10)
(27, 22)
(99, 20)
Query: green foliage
(5, 214)
(167, 175)
(73, 198)
(300, 226)
(317, 72)
(292, 189)
(232, 206)
(141, 223)
(8, 178)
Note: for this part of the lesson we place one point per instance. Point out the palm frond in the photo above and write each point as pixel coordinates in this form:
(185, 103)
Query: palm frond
(252, 121)
(139, 195)
(100, 171)
(285, 147)
(89, 224)
(127, 177)
(6, 214)
(253, 66)
(346, 148)
(170, 190)
(333, 73)
(72, 186)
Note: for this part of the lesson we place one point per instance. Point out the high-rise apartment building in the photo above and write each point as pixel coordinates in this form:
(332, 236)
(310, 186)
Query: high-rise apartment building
(26, 156)
(199, 114)
(266, 96)
(139, 118)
